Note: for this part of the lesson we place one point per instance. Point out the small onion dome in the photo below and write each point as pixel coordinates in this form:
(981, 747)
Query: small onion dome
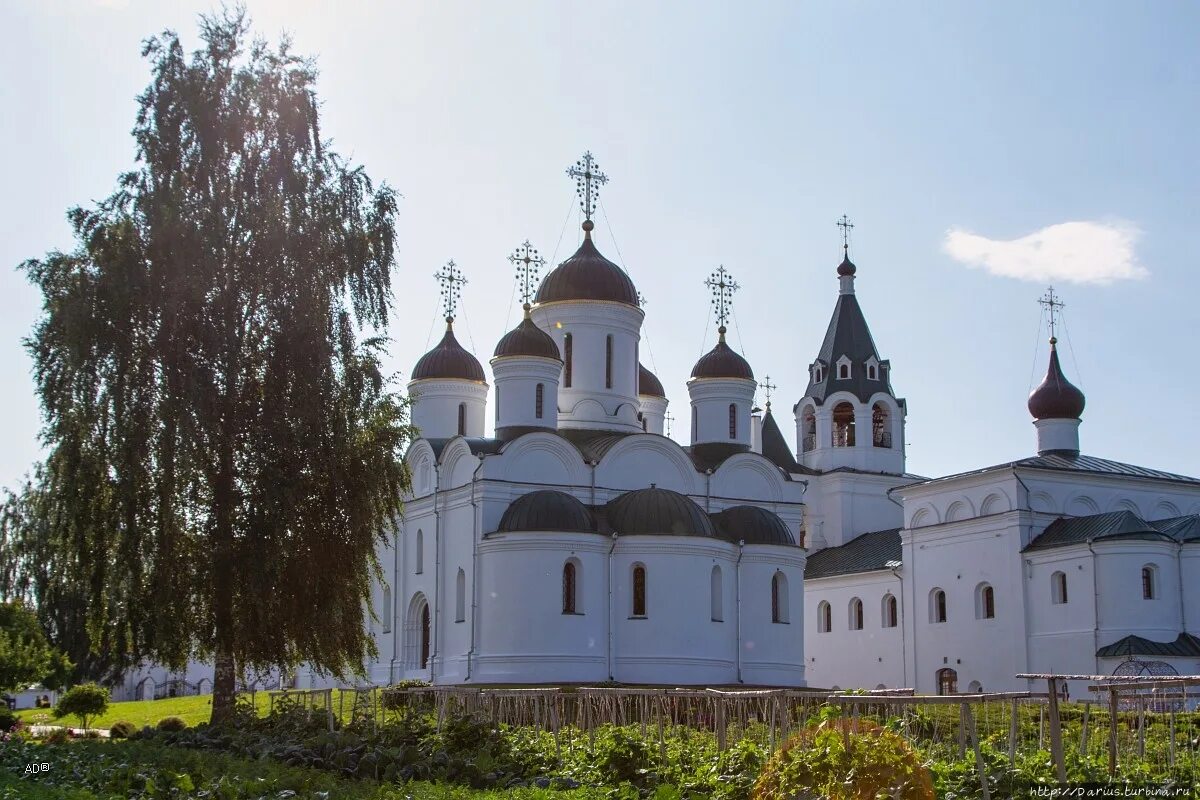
(722, 362)
(1056, 397)
(658, 511)
(649, 384)
(547, 510)
(752, 525)
(846, 268)
(448, 360)
(587, 275)
(527, 339)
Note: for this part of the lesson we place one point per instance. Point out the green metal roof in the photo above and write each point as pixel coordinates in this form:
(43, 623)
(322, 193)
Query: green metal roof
(864, 553)
(1066, 531)
(1185, 646)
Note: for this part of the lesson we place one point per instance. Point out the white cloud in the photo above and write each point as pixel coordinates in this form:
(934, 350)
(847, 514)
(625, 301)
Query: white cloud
(1072, 252)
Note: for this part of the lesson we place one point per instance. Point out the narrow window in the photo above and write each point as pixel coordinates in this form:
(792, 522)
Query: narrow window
(809, 441)
(568, 359)
(695, 424)
(1058, 588)
(419, 561)
(1148, 582)
(462, 419)
(856, 614)
(568, 588)
(890, 611)
(843, 371)
(716, 599)
(732, 421)
(937, 606)
(871, 372)
(539, 398)
(843, 425)
(386, 611)
(985, 602)
(608, 361)
(881, 434)
(779, 598)
(460, 596)
(824, 617)
(639, 590)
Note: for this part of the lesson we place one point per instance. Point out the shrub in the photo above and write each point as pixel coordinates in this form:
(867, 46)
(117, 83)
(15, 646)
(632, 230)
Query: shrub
(122, 730)
(8, 720)
(169, 724)
(817, 761)
(84, 700)
(57, 736)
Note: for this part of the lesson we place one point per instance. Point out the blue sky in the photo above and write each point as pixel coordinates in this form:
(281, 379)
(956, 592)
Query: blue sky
(961, 139)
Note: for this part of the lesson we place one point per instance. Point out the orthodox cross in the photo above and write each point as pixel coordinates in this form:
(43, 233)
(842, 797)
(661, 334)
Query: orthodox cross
(723, 286)
(641, 300)
(669, 419)
(451, 279)
(588, 180)
(529, 264)
(768, 387)
(1053, 303)
(846, 225)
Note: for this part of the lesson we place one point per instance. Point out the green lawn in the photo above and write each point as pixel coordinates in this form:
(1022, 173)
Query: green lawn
(193, 710)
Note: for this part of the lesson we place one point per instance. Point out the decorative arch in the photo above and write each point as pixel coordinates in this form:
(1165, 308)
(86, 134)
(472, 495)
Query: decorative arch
(959, 510)
(1125, 504)
(926, 515)
(1041, 501)
(1082, 506)
(458, 463)
(421, 460)
(418, 633)
(1166, 509)
(769, 481)
(995, 503)
(540, 457)
(672, 468)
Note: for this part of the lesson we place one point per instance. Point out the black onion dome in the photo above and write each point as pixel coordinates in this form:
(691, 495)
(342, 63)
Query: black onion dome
(649, 384)
(547, 510)
(587, 275)
(448, 360)
(846, 268)
(1056, 397)
(752, 525)
(658, 511)
(527, 339)
(722, 362)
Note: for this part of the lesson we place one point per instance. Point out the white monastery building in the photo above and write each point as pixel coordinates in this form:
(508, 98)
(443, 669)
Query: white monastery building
(578, 544)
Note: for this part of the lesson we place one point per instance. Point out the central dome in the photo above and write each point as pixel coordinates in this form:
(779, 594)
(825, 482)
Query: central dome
(587, 275)
(658, 511)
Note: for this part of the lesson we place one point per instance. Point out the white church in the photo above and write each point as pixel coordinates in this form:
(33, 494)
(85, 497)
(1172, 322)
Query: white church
(578, 544)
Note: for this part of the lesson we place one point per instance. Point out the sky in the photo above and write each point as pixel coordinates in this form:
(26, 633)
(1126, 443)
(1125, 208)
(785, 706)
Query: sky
(982, 150)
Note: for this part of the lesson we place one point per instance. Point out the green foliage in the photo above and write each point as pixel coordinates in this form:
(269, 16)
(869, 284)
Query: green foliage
(123, 729)
(170, 724)
(84, 700)
(25, 655)
(8, 720)
(57, 736)
(208, 360)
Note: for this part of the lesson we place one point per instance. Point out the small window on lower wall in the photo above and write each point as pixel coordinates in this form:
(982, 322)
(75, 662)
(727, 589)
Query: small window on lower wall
(824, 617)
(639, 590)
(937, 606)
(1058, 588)
(891, 616)
(856, 614)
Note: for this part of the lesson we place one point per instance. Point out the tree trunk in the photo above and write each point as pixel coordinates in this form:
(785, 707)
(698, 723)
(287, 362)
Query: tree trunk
(224, 661)
(224, 686)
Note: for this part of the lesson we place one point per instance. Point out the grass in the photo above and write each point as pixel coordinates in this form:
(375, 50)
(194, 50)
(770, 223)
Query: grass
(192, 710)
(99, 770)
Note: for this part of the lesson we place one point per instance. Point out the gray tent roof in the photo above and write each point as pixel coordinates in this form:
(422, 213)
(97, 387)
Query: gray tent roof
(848, 335)
(866, 552)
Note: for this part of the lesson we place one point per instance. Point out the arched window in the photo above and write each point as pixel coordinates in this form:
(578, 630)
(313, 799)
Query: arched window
(568, 359)
(608, 347)
(891, 611)
(539, 399)
(460, 596)
(947, 681)
(975, 687)
(843, 425)
(871, 372)
(570, 588)
(639, 590)
(856, 614)
(386, 611)
(937, 606)
(824, 617)
(843, 371)
(808, 421)
(419, 561)
(695, 424)
(1058, 588)
(1149, 590)
(462, 419)
(779, 598)
(881, 430)
(732, 420)
(716, 595)
(417, 633)
(985, 601)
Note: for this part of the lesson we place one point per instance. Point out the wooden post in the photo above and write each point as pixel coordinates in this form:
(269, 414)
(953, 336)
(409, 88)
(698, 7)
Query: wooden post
(720, 723)
(969, 720)
(1012, 733)
(962, 730)
(1056, 748)
(1171, 749)
(1112, 732)
(1083, 733)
